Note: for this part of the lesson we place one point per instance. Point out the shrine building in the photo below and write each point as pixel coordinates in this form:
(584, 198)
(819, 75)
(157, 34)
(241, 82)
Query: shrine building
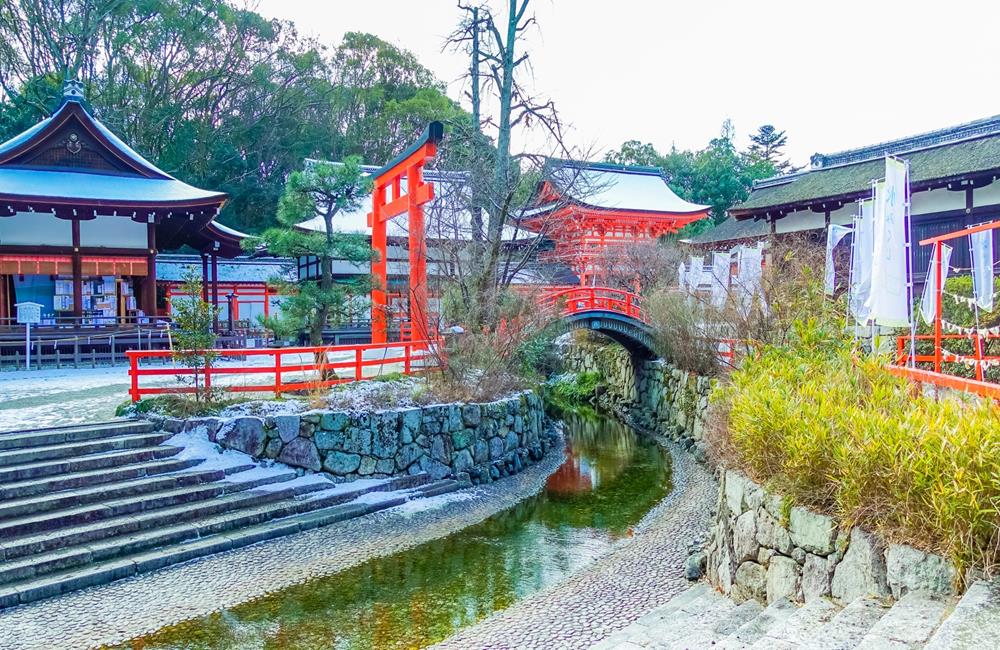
(83, 218)
(586, 207)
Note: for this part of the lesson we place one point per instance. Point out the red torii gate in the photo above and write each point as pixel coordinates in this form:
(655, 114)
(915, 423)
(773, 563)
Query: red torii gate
(409, 164)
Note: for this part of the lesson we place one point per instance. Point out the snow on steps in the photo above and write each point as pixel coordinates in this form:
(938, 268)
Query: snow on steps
(87, 504)
(702, 618)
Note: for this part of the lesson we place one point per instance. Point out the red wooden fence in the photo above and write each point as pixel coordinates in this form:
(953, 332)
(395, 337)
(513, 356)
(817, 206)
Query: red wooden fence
(413, 355)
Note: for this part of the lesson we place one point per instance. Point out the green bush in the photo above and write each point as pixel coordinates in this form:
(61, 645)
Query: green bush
(573, 389)
(830, 428)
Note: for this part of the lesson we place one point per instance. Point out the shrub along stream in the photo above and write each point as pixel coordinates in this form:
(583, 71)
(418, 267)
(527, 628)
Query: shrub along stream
(825, 424)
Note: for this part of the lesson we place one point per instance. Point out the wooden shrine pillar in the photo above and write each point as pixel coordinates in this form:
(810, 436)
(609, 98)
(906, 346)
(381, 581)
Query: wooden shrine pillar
(204, 277)
(149, 282)
(77, 266)
(4, 297)
(418, 258)
(380, 269)
(215, 291)
(410, 164)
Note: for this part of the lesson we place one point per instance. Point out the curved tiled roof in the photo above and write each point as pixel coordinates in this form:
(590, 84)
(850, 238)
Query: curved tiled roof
(935, 157)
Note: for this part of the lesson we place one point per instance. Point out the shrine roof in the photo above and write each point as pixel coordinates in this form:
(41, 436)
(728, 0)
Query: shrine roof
(607, 186)
(71, 158)
(936, 158)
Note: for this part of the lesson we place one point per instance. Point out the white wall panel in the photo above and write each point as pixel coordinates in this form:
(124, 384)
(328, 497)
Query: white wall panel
(35, 229)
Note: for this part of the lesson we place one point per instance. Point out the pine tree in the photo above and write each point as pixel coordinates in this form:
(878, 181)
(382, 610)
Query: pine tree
(767, 146)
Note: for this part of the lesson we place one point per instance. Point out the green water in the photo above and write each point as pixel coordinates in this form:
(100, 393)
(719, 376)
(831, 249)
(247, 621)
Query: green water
(610, 479)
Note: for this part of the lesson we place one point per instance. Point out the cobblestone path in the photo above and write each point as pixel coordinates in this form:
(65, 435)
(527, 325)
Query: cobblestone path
(617, 589)
(123, 610)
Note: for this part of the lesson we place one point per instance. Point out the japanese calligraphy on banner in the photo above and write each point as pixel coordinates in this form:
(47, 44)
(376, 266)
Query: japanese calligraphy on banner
(889, 303)
(861, 261)
(981, 244)
(929, 298)
(833, 237)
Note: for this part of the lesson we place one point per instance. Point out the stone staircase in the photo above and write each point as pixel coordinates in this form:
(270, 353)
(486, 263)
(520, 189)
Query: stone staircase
(85, 505)
(702, 618)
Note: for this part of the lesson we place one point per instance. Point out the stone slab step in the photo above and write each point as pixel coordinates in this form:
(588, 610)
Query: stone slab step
(79, 480)
(107, 460)
(792, 633)
(974, 624)
(101, 530)
(638, 634)
(443, 486)
(11, 529)
(692, 628)
(78, 497)
(908, 624)
(76, 433)
(754, 629)
(77, 449)
(25, 591)
(849, 626)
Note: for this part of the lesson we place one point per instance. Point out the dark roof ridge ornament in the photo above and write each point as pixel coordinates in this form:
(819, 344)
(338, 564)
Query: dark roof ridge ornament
(73, 91)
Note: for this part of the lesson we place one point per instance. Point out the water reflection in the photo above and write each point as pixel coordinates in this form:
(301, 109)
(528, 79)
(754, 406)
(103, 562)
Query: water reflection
(414, 598)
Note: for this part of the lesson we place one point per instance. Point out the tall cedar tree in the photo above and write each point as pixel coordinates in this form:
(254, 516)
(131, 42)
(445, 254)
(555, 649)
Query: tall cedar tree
(322, 190)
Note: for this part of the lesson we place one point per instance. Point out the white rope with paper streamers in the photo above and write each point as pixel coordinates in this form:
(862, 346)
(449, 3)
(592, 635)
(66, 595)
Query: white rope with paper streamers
(950, 357)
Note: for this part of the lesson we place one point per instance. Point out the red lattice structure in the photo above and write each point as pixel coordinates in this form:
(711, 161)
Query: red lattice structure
(906, 363)
(605, 205)
(406, 168)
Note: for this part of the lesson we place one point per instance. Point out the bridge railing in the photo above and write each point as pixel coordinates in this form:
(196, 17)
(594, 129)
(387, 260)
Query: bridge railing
(582, 299)
(278, 370)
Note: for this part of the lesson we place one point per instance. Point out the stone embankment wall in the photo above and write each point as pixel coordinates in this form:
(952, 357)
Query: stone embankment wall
(763, 548)
(471, 442)
(660, 397)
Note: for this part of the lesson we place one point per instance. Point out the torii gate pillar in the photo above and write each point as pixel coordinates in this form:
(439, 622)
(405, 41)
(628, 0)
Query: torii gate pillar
(408, 165)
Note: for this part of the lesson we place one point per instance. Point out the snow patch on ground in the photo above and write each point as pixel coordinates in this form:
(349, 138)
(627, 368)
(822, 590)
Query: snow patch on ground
(196, 445)
(264, 408)
(302, 481)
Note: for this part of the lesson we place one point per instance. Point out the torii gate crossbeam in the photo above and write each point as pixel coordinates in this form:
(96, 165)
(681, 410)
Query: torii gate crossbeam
(407, 166)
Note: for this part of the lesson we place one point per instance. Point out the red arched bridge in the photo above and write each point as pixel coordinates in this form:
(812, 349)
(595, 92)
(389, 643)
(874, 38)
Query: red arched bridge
(615, 313)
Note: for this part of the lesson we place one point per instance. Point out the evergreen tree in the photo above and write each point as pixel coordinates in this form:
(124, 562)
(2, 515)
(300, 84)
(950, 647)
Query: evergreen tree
(767, 145)
(321, 191)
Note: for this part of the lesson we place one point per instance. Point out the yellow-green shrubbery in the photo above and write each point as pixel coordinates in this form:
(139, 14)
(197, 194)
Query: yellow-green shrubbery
(826, 425)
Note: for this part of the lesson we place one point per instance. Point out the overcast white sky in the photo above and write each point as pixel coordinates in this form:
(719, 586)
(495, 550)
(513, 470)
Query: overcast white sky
(834, 75)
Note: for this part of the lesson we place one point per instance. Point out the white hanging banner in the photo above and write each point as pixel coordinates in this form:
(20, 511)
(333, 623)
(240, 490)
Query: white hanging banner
(720, 278)
(695, 269)
(889, 301)
(748, 277)
(982, 268)
(681, 276)
(928, 300)
(833, 237)
(861, 261)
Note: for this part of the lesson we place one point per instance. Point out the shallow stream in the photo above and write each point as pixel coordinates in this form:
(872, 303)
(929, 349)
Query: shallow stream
(610, 479)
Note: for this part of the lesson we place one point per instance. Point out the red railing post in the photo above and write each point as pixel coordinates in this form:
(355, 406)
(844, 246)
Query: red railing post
(277, 373)
(133, 371)
(357, 364)
(407, 351)
(937, 307)
(979, 355)
(208, 375)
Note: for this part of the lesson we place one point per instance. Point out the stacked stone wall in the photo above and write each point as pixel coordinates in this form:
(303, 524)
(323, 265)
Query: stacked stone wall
(659, 396)
(471, 442)
(763, 548)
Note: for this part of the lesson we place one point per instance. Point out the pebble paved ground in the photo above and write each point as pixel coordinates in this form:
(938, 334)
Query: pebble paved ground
(617, 589)
(123, 610)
